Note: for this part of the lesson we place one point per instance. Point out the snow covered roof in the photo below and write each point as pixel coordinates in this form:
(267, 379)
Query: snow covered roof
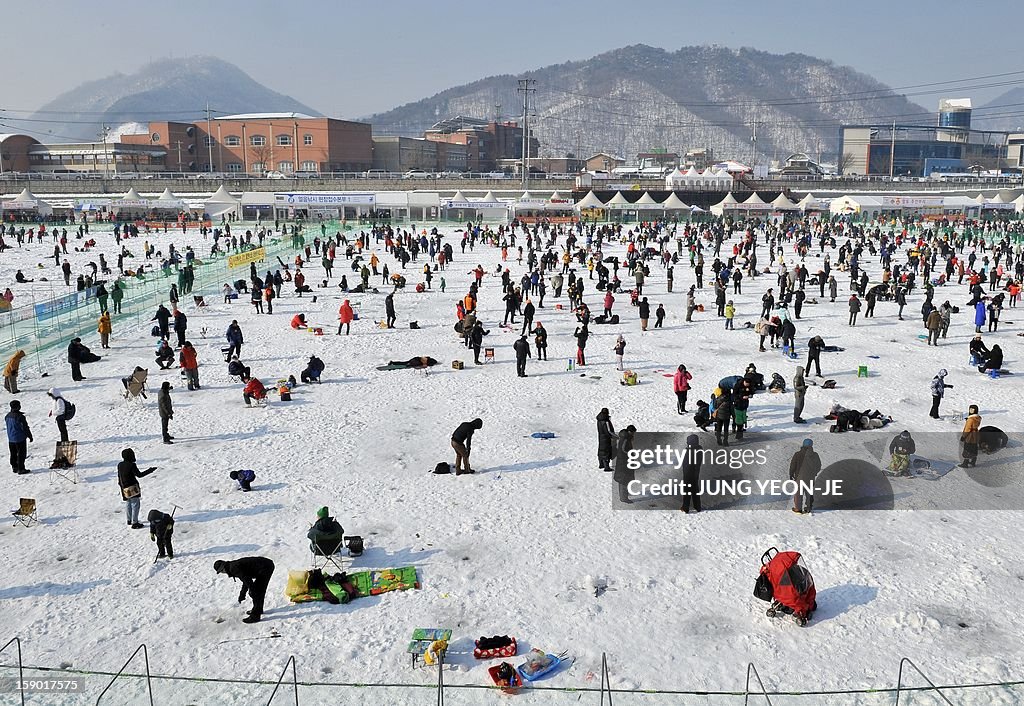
(590, 201)
(265, 116)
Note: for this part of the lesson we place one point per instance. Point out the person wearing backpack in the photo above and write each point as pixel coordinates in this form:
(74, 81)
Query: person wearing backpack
(62, 410)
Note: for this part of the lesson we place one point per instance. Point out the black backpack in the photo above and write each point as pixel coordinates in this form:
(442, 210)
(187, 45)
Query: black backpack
(442, 467)
(69, 410)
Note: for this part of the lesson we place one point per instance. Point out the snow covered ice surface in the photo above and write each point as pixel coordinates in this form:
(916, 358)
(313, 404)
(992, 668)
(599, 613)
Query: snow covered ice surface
(521, 547)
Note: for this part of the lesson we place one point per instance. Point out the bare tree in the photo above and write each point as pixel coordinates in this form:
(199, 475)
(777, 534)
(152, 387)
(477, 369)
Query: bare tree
(846, 161)
(260, 154)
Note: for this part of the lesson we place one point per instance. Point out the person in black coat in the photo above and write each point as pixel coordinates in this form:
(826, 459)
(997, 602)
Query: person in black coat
(180, 327)
(241, 370)
(522, 349)
(163, 320)
(814, 348)
(389, 309)
(645, 313)
(462, 442)
(163, 401)
(623, 475)
(254, 572)
(605, 440)
(313, 370)
(540, 340)
(528, 312)
(476, 338)
(691, 474)
(128, 475)
(581, 335)
(161, 530)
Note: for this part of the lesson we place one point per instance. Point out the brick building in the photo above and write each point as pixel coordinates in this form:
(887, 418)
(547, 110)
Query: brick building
(261, 142)
(487, 142)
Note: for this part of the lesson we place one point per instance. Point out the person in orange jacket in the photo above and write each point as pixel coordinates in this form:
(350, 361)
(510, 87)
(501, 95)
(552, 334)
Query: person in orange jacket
(345, 316)
(190, 364)
(299, 321)
(104, 329)
(970, 437)
(254, 390)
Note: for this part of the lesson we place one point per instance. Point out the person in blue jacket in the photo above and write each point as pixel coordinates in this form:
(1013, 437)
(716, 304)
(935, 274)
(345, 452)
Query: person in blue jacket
(979, 316)
(18, 436)
(234, 336)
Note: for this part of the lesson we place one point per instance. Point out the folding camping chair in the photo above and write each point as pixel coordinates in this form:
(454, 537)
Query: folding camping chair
(26, 513)
(135, 384)
(64, 459)
(323, 554)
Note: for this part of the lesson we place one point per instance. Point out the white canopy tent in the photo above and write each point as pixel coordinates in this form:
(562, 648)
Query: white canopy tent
(27, 201)
(167, 201)
(590, 201)
(617, 201)
(221, 202)
(674, 203)
(782, 203)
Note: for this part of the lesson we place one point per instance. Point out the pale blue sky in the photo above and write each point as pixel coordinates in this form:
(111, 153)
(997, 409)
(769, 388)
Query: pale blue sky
(350, 59)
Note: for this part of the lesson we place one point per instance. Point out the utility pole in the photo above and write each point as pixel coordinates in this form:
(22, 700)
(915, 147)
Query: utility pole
(892, 151)
(753, 144)
(209, 137)
(526, 87)
(104, 131)
(295, 143)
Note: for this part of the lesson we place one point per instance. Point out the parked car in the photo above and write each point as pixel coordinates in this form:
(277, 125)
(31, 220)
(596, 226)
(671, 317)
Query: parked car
(274, 175)
(415, 174)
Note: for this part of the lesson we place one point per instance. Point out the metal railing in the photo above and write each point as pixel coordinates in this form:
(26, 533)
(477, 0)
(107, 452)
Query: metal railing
(899, 682)
(21, 666)
(149, 678)
(284, 673)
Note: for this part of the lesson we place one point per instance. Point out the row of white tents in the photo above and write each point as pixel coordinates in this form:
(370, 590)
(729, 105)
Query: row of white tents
(707, 180)
(223, 202)
(220, 202)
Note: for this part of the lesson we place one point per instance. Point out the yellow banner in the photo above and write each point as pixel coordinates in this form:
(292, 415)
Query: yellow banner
(244, 258)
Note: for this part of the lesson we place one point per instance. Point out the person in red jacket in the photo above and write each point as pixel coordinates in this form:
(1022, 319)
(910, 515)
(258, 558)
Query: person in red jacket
(189, 363)
(681, 385)
(345, 316)
(253, 390)
(299, 321)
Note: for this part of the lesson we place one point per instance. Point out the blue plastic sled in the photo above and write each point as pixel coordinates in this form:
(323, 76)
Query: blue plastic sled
(555, 663)
(543, 435)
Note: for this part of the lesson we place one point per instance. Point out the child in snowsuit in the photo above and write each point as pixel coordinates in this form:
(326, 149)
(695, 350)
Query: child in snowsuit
(244, 478)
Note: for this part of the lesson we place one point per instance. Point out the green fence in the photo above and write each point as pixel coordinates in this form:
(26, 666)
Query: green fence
(42, 333)
(134, 684)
